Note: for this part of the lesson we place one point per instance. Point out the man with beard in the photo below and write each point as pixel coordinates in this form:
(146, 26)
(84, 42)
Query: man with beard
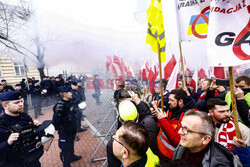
(168, 137)
(11, 156)
(225, 133)
(24, 95)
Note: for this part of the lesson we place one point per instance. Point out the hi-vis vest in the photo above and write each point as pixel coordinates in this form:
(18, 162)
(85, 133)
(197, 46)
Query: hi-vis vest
(152, 160)
(164, 144)
(229, 100)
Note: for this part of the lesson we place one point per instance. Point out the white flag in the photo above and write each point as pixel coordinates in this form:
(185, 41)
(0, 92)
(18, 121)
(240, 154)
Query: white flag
(193, 16)
(229, 33)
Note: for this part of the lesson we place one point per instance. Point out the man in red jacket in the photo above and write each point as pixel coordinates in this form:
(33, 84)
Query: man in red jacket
(168, 137)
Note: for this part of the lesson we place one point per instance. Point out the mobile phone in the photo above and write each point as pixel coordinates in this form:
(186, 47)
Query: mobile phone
(222, 82)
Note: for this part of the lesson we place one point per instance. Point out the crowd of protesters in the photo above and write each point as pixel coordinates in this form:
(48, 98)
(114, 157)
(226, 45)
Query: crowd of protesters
(195, 127)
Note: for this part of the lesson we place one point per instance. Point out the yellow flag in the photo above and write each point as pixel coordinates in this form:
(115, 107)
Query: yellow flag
(156, 32)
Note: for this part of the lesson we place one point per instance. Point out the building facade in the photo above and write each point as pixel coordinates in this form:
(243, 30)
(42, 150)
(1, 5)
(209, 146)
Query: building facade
(14, 71)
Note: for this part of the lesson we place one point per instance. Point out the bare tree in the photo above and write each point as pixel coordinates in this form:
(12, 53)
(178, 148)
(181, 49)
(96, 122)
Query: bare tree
(12, 19)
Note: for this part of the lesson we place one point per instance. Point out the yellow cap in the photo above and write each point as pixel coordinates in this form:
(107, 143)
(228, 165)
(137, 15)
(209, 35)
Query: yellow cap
(127, 111)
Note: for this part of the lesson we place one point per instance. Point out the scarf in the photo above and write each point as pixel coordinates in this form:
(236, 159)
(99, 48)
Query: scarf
(225, 135)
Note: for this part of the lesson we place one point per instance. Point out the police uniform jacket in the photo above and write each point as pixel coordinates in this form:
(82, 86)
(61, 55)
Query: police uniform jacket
(64, 118)
(36, 93)
(81, 92)
(8, 88)
(6, 151)
(76, 98)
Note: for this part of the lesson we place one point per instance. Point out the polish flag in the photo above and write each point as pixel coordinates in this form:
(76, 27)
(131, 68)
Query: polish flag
(117, 61)
(173, 80)
(168, 69)
(144, 74)
(202, 73)
(116, 69)
(195, 80)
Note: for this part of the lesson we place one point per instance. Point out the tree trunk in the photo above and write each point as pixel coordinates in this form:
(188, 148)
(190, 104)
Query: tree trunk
(41, 72)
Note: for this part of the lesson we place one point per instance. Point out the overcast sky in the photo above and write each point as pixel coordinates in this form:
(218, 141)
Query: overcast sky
(87, 31)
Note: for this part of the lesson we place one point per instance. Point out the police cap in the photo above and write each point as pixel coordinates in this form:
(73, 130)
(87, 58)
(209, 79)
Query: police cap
(73, 83)
(12, 95)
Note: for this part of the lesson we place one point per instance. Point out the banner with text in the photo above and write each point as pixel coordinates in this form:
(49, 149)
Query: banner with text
(229, 33)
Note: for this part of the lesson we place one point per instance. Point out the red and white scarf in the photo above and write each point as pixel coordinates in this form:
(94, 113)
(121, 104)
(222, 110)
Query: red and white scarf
(226, 134)
(202, 96)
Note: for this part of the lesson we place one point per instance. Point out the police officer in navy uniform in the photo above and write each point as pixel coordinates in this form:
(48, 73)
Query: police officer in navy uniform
(14, 117)
(6, 87)
(20, 88)
(36, 98)
(76, 100)
(64, 120)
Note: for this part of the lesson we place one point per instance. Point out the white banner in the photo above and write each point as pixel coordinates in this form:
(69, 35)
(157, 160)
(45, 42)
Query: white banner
(193, 19)
(228, 42)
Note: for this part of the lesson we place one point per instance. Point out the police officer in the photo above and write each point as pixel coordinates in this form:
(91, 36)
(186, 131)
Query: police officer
(46, 86)
(12, 103)
(64, 120)
(97, 87)
(23, 91)
(76, 100)
(36, 97)
(81, 92)
(6, 87)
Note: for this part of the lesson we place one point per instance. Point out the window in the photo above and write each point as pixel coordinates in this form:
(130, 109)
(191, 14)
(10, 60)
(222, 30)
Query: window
(19, 69)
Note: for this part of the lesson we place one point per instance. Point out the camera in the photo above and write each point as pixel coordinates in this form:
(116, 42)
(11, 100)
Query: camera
(222, 82)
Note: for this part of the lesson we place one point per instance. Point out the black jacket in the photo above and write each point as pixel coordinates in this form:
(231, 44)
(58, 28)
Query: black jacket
(64, 118)
(8, 155)
(8, 88)
(217, 156)
(81, 93)
(76, 98)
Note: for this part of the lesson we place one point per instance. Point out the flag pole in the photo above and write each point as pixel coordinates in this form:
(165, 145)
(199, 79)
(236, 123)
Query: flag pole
(233, 98)
(159, 57)
(182, 66)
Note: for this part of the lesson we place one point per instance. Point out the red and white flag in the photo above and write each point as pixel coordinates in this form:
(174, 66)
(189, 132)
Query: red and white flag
(168, 69)
(173, 80)
(202, 73)
(195, 79)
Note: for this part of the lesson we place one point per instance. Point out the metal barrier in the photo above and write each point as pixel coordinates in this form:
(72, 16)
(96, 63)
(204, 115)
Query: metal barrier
(108, 103)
